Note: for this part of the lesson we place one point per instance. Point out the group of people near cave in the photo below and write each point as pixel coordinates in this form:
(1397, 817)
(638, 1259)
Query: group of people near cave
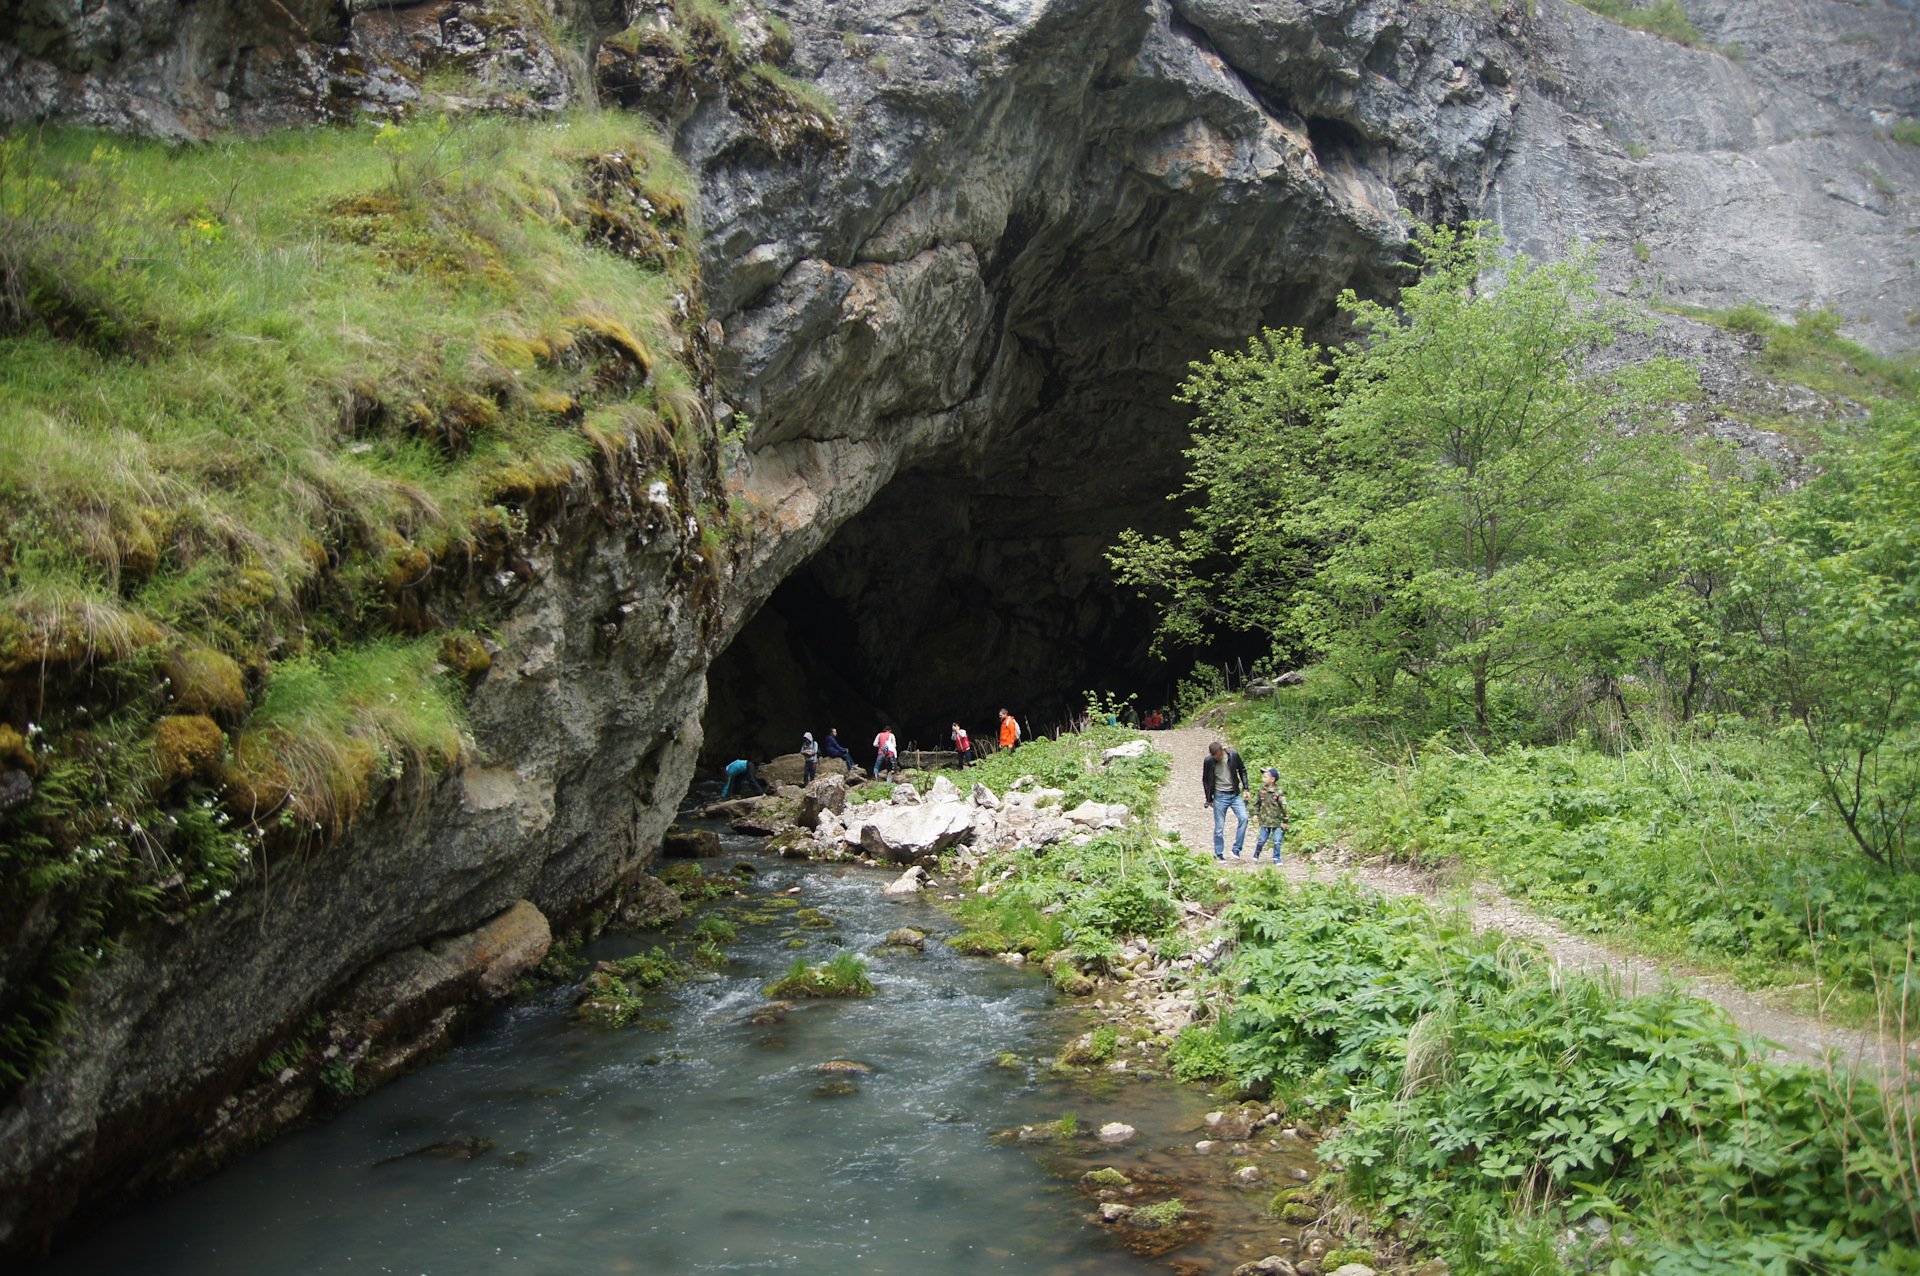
(886, 754)
(1223, 781)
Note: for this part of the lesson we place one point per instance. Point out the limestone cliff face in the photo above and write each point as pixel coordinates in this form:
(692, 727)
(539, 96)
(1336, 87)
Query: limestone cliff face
(954, 311)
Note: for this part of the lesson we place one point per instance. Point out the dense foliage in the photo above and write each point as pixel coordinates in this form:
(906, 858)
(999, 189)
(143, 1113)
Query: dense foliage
(1713, 845)
(1475, 520)
(1495, 1100)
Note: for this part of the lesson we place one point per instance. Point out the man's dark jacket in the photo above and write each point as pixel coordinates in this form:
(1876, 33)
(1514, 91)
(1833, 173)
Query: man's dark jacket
(1235, 767)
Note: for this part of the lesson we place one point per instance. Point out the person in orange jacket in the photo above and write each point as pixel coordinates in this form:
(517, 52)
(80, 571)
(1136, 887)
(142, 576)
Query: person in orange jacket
(1009, 730)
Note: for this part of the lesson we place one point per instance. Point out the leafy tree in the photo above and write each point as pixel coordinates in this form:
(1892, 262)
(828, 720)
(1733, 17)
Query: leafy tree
(1258, 458)
(1828, 592)
(1457, 505)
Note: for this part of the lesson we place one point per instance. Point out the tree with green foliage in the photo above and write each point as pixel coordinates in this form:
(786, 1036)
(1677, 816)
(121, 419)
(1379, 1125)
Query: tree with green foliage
(1452, 499)
(1829, 599)
(1258, 455)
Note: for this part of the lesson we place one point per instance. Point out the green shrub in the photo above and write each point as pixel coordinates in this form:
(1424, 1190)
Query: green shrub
(844, 976)
(1664, 18)
(1907, 132)
(1469, 1069)
(1713, 846)
(1199, 1054)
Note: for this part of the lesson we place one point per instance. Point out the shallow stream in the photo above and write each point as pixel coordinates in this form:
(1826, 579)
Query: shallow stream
(710, 1141)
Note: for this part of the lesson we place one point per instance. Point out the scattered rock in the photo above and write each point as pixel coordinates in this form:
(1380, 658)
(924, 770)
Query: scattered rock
(911, 882)
(943, 790)
(1098, 815)
(1205, 1147)
(1107, 1177)
(690, 844)
(983, 797)
(1247, 1176)
(1131, 749)
(907, 936)
(1271, 1265)
(649, 903)
(1352, 1269)
(825, 796)
(1116, 1132)
(853, 1066)
(1114, 1211)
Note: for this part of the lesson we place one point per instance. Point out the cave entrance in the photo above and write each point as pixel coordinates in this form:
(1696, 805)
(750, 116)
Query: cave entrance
(951, 595)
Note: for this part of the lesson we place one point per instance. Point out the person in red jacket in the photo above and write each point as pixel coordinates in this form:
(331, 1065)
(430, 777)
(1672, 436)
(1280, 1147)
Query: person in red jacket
(962, 745)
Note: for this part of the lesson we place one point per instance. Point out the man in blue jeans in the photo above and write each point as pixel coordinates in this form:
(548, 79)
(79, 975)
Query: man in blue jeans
(1223, 778)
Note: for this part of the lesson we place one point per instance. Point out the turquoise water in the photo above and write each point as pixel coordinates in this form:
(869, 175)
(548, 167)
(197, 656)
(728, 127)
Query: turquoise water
(706, 1145)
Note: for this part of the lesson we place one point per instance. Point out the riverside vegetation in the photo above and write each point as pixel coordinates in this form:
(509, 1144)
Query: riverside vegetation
(1479, 1104)
(276, 413)
(1646, 684)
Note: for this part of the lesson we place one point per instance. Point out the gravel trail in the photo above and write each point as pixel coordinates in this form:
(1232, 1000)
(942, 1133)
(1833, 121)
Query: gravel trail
(1791, 1035)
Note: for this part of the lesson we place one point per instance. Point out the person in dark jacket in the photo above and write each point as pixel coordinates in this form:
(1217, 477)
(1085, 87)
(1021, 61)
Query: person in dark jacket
(832, 748)
(1223, 779)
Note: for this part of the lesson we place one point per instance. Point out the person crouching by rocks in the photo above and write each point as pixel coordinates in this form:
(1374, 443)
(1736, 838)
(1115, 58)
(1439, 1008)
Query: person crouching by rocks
(886, 754)
(832, 748)
(809, 756)
(962, 745)
(1270, 808)
(740, 772)
(1223, 778)
(1009, 730)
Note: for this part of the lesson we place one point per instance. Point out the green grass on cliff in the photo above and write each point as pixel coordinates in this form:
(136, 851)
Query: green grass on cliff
(1664, 18)
(271, 414)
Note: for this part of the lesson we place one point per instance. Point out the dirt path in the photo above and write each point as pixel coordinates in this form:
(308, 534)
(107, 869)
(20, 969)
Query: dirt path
(1792, 1035)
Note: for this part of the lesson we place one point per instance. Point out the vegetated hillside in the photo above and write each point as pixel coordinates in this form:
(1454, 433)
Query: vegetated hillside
(1655, 686)
(1651, 683)
(279, 422)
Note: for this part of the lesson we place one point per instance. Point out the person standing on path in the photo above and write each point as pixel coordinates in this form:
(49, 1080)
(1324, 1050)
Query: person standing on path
(962, 745)
(1270, 808)
(1009, 730)
(886, 754)
(1223, 778)
(809, 755)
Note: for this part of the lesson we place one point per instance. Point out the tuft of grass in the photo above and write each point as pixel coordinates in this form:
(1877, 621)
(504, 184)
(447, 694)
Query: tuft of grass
(1811, 351)
(844, 976)
(1664, 18)
(1907, 132)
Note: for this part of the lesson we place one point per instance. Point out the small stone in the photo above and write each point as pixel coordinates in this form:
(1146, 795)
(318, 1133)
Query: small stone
(1114, 1211)
(911, 882)
(1116, 1132)
(1299, 1175)
(1247, 1175)
(1271, 1265)
(844, 1065)
(1205, 1146)
(1352, 1269)
(907, 937)
(1014, 959)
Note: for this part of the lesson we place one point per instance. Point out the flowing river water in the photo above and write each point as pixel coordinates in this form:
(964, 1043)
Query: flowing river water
(709, 1141)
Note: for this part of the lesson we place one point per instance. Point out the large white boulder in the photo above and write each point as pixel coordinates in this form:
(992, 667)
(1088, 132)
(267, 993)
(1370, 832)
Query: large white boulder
(1098, 815)
(907, 833)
